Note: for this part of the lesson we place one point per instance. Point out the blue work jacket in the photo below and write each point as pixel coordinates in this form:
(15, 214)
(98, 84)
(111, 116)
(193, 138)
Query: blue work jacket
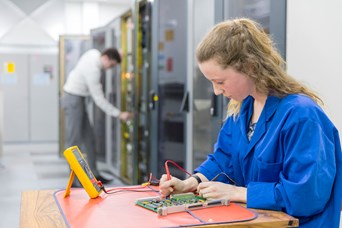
(292, 163)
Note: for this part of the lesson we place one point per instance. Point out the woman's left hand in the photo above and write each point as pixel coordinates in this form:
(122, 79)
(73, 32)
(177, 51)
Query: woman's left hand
(218, 190)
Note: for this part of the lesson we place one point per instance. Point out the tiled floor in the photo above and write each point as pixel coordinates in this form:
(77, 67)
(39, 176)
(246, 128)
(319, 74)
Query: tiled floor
(29, 167)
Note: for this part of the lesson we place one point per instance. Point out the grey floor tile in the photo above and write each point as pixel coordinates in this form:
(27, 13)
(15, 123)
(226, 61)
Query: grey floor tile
(30, 167)
(9, 211)
(27, 168)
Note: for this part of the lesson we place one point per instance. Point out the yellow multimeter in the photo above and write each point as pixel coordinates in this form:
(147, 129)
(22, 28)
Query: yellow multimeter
(80, 167)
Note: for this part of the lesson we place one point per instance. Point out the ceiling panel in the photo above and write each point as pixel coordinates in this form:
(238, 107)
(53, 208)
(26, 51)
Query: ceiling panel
(27, 32)
(29, 6)
(119, 2)
(9, 16)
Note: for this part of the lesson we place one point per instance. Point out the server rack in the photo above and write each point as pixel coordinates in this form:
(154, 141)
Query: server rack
(153, 77)
(142, 72)
(169, 83)
(112, 89)
(100, 42)
(114, 142)
(128, 166)
(135, 86)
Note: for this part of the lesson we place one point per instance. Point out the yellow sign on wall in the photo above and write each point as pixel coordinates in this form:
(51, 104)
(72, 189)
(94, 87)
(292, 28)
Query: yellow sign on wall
(9, 67)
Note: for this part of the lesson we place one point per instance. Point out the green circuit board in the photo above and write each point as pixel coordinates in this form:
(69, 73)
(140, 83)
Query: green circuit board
(177, 203)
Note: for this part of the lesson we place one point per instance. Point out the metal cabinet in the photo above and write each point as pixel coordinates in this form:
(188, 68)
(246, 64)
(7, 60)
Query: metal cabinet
(29, 83)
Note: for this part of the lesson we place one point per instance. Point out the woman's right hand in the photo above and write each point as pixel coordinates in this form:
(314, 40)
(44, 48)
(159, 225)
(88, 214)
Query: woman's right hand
(173, 186)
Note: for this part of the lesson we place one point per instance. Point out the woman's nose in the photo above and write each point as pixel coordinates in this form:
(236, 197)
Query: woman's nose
(217, 91)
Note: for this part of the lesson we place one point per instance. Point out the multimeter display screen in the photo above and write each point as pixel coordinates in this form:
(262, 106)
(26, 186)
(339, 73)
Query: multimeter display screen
(86, 168)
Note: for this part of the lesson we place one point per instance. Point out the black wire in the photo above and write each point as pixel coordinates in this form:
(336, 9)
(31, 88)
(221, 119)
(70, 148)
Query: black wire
(226, 175)
(196, 217)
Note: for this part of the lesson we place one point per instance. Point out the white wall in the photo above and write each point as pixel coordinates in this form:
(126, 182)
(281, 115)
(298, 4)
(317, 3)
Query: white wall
(81, 17)
(314, 50)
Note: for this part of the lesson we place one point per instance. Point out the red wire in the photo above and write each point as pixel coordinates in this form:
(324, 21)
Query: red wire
(175, 164)
(126, 188)
(116, 189)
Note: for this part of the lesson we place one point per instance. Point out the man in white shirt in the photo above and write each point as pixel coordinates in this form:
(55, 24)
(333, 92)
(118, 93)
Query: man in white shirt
(84, 81)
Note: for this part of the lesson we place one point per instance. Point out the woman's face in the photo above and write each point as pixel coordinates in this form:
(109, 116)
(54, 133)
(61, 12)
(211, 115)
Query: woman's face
(228, 82)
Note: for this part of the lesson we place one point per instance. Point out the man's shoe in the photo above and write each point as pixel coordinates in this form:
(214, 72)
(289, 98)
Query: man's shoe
(102, 179)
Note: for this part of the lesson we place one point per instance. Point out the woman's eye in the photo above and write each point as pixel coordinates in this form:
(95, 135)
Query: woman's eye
(219, 83)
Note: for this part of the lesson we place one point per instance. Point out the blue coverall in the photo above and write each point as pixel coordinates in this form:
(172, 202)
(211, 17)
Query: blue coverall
(292, 163)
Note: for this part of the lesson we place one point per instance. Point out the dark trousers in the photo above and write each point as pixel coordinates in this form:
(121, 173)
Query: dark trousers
(78, 130)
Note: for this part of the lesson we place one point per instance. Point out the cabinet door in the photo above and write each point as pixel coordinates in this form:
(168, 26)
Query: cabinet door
(206, 118)
(13, 83)
(172, 84)
(43, 93)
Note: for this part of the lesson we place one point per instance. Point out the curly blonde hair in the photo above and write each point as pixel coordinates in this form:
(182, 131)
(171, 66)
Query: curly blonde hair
(243, 45)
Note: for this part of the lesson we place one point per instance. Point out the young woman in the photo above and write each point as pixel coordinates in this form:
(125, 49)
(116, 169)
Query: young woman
(277, 149)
